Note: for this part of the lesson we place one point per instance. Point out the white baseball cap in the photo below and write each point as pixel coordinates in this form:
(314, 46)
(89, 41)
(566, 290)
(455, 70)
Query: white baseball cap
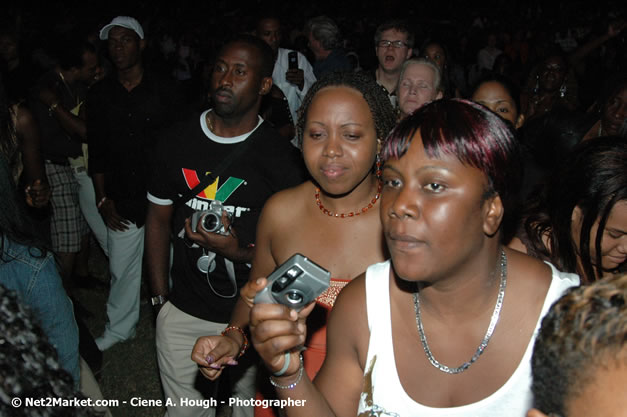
(125, 22)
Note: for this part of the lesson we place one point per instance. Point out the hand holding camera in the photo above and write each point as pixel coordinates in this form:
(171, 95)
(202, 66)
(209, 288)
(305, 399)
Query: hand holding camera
(295, 283)
(211, 220)
(296, 76)
(278, 333)
(212, 229)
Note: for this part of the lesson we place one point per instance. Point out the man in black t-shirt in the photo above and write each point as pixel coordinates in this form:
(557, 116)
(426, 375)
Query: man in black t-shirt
(209, 268)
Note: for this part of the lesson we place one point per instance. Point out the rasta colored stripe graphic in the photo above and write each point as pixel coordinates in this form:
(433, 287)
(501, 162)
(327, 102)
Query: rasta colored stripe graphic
(212, 192)
(228, 188)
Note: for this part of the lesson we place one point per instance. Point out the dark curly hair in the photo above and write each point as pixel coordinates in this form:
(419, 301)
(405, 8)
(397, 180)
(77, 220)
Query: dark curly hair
(29, 366)
(584, 330)
(382, 112)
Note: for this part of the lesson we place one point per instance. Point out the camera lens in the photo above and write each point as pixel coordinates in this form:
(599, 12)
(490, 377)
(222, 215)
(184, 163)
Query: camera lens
(294, 297)
(211, 222)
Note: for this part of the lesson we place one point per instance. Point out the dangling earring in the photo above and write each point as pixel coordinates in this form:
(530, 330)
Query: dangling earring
(377, 165)
(563, 91)
(537, 86)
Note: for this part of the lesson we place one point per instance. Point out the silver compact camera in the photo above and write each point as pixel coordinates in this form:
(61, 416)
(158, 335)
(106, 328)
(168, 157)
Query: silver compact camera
(210, 219)
(295, 284)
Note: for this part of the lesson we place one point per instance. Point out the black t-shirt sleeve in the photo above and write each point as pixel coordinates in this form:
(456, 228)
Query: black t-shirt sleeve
(159, 177)
(283, 164)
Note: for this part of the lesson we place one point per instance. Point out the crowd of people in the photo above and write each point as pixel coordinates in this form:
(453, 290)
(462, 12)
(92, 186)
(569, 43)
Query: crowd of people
(451, 179)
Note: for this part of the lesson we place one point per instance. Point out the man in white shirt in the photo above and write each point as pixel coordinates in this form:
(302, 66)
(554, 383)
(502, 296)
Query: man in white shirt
(294, 82)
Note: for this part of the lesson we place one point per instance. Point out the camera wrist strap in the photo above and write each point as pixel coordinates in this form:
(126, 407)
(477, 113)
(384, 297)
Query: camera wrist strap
(230, 270)
(211, 176)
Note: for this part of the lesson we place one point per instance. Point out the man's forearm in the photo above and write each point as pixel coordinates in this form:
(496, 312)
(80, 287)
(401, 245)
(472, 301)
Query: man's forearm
(244, 255)
(157, 247)
(99, 186)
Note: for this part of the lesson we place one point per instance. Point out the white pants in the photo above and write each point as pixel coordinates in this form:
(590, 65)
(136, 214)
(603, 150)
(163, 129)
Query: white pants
(126, 250)
(87, 202)
(91, 389)
(177, 332)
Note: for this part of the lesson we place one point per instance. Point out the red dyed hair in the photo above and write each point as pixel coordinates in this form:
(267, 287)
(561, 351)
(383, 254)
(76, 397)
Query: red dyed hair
(471, 133)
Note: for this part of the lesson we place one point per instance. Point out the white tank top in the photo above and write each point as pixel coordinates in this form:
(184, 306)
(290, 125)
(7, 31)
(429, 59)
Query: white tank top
(383, 394)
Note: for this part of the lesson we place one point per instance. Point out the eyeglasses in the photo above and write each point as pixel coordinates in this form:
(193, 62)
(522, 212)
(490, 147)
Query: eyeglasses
(395, 44)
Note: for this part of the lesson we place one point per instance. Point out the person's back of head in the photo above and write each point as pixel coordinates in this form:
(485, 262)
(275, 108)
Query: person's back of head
(580, 354)
(69, 53)
(29, 364)
(325, 31)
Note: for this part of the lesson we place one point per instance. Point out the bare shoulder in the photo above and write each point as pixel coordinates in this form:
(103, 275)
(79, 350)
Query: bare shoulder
(286, 199)
(530, 277)
(522, 263)
(517, 244)
(285, 203)
(22, 114)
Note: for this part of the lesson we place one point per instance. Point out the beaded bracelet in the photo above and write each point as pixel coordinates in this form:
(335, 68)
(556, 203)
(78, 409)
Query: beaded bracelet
(244, 345)
(301, 370)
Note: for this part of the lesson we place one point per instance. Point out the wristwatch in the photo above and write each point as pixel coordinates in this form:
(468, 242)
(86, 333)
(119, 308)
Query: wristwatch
(158, 300)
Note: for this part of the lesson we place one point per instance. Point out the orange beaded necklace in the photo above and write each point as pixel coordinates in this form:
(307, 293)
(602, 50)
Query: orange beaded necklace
(352, 213)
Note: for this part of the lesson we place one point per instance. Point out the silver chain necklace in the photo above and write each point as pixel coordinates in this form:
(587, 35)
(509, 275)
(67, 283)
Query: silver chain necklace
(488, 335)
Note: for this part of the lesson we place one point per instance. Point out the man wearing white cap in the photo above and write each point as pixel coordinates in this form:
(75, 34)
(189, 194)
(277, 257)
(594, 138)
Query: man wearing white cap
(125, 112)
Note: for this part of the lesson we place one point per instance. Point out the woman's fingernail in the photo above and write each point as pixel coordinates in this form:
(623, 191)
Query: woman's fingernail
(214, 366)
(209, 359)
(232, 362)
(259, 281)
(293, 314)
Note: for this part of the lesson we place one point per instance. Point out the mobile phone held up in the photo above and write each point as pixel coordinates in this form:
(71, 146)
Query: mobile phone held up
(295, 284)
(292, 60)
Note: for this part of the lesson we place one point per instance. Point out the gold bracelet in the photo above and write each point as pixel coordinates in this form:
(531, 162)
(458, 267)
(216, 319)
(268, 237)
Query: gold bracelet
(238, 329)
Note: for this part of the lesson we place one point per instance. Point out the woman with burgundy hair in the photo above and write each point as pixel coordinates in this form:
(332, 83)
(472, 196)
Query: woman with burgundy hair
(446, 327)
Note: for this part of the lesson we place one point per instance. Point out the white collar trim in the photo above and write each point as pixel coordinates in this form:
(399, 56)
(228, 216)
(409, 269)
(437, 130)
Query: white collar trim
(223, 140)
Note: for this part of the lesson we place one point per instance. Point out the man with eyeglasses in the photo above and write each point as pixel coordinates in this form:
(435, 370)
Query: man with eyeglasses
(393, 46)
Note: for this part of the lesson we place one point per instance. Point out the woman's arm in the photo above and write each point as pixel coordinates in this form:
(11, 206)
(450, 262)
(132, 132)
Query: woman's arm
(37, 188)
(276, 329)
